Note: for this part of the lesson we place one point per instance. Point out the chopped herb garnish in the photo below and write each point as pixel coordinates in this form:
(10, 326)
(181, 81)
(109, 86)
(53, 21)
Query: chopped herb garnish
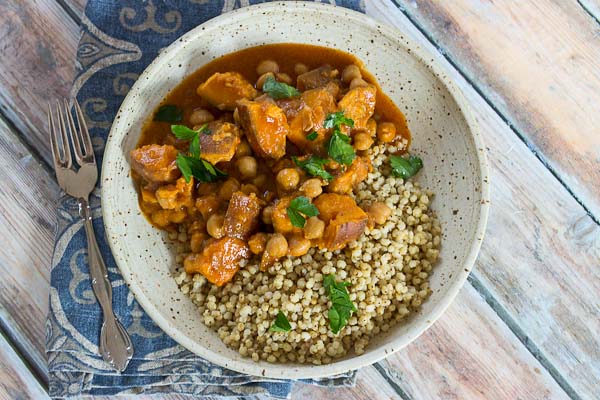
(281, 323)
(405, 167)
(279, 90)
(198, 168)
(185, 133)
(195, 147)
(312, 136)
(193, 165)
(314, 166)
(339, 147)
(341, 305)
(336, 120)
(169, 113)
(299, 209)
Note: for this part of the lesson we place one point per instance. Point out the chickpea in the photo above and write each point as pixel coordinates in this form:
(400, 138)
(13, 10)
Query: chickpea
(258, 242)
(357, 82)
(247, 166)
(314, 228)
(260, 181)
(283, 77)
(230, 186)
(386, 132)
(332, 165)
(249, 188)
(298, 246)
(243, 149)
(350, 73)
(277, 246)
(300, 68)
(200, 117)
(196, 241)
(312, 187)
(379, 212)
(371, 127)
(267, 215)
(362, 141)
(288, 178)
(262, 79)
(267, 66)
(214, 226)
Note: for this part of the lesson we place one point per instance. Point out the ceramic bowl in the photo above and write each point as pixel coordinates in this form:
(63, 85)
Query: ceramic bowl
(444, 133)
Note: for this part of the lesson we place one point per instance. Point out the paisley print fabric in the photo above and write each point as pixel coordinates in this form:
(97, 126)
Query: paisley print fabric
(119, 38)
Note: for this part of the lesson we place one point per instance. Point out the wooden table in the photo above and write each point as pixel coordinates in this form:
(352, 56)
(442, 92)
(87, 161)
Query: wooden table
(525, 326)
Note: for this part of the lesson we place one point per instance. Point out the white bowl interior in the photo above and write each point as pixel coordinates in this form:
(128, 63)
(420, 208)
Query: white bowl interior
(444, 136)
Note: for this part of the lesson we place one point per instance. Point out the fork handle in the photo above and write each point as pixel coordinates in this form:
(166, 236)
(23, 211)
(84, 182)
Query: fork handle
(117, 339)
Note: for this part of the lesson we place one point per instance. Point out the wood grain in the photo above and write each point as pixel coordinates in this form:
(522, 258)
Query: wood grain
(76, 6)
(592, 7)
(27, 211)
(370, 385)
(541, 253)
(470, 353)
(17, 382)
(537, 62)
(38, 41)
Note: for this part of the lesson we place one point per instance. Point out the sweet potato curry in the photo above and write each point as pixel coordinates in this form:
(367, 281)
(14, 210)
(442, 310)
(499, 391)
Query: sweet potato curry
(257, 154)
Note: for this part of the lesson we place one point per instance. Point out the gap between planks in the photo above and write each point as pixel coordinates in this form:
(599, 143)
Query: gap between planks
(531, 146)
(592, 8)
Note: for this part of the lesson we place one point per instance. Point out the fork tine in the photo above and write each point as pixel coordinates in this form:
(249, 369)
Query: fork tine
(88, 149)
(53, 138)
(73, 134)
(63, 134)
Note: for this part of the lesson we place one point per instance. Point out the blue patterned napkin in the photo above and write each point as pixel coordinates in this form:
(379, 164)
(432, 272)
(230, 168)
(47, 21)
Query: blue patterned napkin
(119, 39)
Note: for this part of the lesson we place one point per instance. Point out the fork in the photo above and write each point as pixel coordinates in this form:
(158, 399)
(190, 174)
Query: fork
(115, 344)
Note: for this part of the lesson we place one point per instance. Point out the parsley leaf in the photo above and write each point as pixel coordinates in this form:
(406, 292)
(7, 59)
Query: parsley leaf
(405, 167)
(198, 168)
(281, 323)
(279, 90)
(314, 166)
(340, 148)
(299, 208)
(195, 147)
(336, 120)
(169, 113)
(341, 305)
(185, 133)
(312, 136)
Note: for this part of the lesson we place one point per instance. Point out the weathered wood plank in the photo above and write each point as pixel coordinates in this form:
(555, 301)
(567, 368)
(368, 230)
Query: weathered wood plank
(27, 211)
(538, 62)
(592, 7)
(370, 385)
(76, 6)
(541, 254)
(16, 381)
(470, 354)
(38, 42)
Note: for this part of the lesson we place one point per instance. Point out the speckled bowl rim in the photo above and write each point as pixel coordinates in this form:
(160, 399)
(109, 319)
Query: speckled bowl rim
(427, 59)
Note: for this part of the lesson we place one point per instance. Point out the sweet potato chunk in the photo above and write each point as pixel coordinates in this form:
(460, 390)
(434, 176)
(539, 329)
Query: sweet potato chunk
(223, 90)
(155, 163)
(266, 127)
(242, 217)
(281, 221)
(316, 105)
(207, 205)
(347, 180)
(315, 78)
(345, 220)
(359, 105)
(220, 145)
(175, 196)
(219, 260)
